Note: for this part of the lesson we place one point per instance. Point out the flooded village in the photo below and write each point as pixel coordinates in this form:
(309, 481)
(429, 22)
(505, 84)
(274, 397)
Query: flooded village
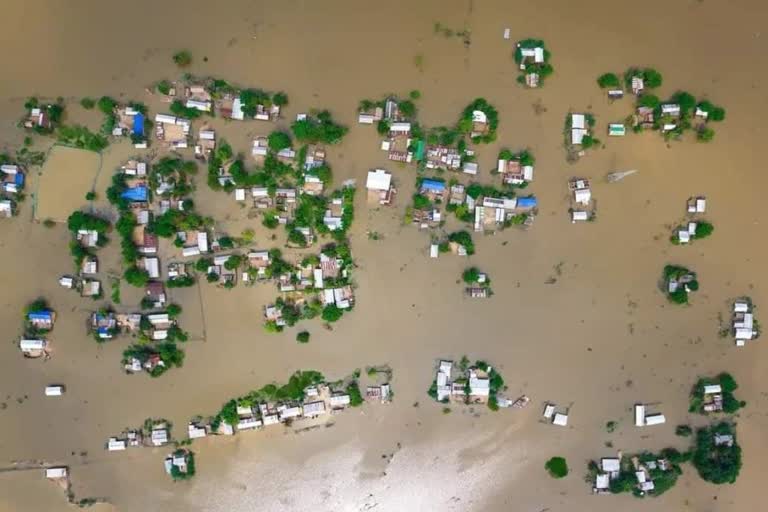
(483, 267)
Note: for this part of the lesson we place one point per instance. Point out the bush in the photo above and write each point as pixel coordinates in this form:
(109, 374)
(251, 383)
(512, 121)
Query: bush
(415, 94)
(182, 58)
(705, 134)
(608, 80)
(652, 78)
(90, 196)
(87, 103)
(82, 138)
(683, 431)
(557, 467)
(302, 337)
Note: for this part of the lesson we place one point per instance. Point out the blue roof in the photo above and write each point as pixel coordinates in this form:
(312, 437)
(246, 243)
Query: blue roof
(138, 124)
(527, 202)
(19, 179)
(433, 185)
(103, 330)
(139, 193)
(40, 315)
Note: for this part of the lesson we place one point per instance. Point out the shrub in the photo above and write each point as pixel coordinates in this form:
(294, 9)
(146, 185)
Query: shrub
(415, 94)
(90, 196)
(182, 58)
(557, 467)
(320, 129)
(87, 103)
(302, 337)
(683, 430)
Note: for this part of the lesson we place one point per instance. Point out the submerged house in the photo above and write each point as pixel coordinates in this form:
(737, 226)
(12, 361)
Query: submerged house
(443, 157)
(132, 123)
(206, 143)
(398, 142)
(12, 177)
(744, 325)
(198, 98)
(173, 131)
(581, 200)
(579, 128)
(513, 172)
(379, 186)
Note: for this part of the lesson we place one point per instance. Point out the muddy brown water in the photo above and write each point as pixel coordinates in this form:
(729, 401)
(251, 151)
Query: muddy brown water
(598, 339)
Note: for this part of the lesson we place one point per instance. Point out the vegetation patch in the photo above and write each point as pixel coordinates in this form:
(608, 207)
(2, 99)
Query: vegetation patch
(717, 456)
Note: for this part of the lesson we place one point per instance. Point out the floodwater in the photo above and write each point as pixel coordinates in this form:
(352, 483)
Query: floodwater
(576, 319)
(67, 172)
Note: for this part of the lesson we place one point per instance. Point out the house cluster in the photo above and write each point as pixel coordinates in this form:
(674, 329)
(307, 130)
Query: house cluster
(470, 386)
(493, 212)
(713, 398)
(38, 119)
(531, 55)
(326, 279)
(398, 137)
(155, 433)
(131, 122)
(206, 142)
(173, 131)
(444, 157)
(579, 129)
(551, 415)
(480, 288)
(178, 462)
(38, 323)
(643, 419)
(744, 323)
(680, 281)
(431, 215)
(582, 206)
(513, 172)
(380, 188)
(320, 400)
(135, 438)
(611, 468)
(12, 179)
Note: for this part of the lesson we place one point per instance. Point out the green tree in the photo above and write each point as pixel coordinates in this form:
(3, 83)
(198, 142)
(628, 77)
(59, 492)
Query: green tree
(278, 141)
(608, 80)
(556, 467)
(332, 313)
(303, 337)
(136, 277)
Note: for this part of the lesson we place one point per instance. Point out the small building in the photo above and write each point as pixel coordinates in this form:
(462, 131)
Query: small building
(560, 419)
(56, 472)
(54, 390)
(578, 128)
(116, 445)
(313, 409)
(379, 185)
(616, 130)
(340, 401)
(195, 431)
